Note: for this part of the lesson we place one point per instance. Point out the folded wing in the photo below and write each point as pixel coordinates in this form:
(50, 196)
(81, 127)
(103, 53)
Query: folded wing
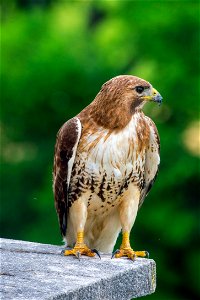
(65, 152)
(152, 160)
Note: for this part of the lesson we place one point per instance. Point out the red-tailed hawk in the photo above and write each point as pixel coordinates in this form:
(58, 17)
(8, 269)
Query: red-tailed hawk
(106, 160)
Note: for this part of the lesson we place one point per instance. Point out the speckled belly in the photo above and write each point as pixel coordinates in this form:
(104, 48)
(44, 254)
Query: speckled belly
(101, 189)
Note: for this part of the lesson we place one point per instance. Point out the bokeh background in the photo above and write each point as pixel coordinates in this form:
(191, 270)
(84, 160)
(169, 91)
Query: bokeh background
(55, 55)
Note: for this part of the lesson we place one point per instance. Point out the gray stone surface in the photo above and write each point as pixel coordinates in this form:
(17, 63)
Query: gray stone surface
(38, 271)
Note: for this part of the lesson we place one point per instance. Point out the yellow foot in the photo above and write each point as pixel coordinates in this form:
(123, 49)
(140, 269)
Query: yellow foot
(130, 253)
(79, 250)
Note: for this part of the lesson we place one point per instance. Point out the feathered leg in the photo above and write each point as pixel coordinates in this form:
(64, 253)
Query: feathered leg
(78, 216)
(128, 211)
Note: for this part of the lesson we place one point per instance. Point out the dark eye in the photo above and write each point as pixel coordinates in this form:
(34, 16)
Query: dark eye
(139, 89)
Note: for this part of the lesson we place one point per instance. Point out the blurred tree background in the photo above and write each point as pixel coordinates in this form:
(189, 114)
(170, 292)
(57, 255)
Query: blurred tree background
(55, 55)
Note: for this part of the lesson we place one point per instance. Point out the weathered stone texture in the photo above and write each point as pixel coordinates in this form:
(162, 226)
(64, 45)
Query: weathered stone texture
(38, 271)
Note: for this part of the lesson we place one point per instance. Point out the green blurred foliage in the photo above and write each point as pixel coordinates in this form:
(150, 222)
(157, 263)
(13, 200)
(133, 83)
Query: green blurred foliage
(54, 59)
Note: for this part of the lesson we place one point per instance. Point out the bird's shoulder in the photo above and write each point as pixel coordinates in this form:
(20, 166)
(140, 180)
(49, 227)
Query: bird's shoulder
(69, 133)
(65, 149)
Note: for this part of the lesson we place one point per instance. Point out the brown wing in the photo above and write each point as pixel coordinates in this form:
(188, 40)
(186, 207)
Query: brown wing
(152, 160)
(65, 152)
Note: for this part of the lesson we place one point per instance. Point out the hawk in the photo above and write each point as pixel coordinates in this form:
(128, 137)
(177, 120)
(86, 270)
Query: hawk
(106, 161)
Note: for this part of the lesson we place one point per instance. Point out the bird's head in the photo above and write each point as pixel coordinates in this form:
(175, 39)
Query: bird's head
(130, 89)
(121, 96)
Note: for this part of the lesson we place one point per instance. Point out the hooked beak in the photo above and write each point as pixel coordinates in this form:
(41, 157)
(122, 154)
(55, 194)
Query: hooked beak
(155, 96)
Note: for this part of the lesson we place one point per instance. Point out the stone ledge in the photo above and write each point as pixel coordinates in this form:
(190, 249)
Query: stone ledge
(38, 271)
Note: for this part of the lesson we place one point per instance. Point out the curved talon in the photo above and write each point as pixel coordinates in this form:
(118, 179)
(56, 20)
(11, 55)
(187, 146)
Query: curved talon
(78, 255)
(97, 252)
(115, 252)
(147, 254)
(132, 257)
(62, 252)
